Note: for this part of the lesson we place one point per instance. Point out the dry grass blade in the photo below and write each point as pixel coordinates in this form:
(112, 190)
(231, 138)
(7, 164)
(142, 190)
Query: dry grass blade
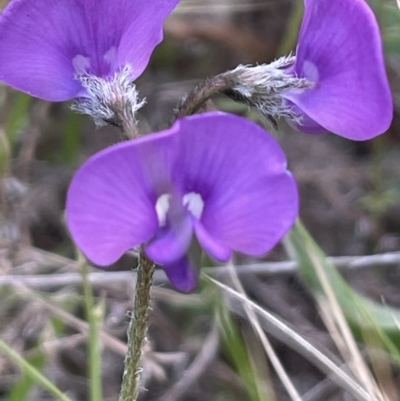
(52, 281)
(351, 353)
(280, 330)
(227, 6)
(280, 370)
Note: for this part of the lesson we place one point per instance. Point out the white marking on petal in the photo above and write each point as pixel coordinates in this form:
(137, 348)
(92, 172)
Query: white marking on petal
(81, 64)
(162, 207)
(110, 56)
(194, 203)
(310, 71)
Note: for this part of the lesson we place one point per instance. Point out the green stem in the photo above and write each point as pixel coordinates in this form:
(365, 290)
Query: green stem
(93, 316)
(137, 330)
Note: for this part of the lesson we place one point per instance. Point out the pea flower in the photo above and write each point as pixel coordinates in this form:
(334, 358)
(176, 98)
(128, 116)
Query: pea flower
(86, 49)
(214, 180)
(337, 80)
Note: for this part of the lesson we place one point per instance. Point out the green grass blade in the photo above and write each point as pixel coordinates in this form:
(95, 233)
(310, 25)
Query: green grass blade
(281, 330)
(17, 118)
(21, 389)
(31, 371)
(235, 346)
(5, 153)
(361, 313)
(71, 139)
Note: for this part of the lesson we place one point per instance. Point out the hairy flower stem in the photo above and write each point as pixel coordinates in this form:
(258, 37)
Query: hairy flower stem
(122, 110)
(261, 87)
(195, 102)
(137, 330)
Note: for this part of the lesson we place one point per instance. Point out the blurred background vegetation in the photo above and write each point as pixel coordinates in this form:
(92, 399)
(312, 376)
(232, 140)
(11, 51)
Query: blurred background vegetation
(201, 346)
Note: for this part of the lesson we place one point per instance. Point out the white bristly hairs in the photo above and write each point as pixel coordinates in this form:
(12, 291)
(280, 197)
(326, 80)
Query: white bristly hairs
(262, 87)
(112, 100)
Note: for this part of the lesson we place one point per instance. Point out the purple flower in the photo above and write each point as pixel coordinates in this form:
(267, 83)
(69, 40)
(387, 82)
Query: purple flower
(214, 180)
(340, 52)
(46, 44)
(337, 80)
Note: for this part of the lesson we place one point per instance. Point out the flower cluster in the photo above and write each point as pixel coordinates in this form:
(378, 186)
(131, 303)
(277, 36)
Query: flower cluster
(213, 181)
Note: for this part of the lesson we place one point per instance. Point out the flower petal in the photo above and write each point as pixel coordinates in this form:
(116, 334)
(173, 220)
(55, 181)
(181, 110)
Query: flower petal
(183, 274)
(214, 248)
(144, 21)
(340, 50)
(38, 43)
(126, 32)
(250, 200)
(111, 201)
